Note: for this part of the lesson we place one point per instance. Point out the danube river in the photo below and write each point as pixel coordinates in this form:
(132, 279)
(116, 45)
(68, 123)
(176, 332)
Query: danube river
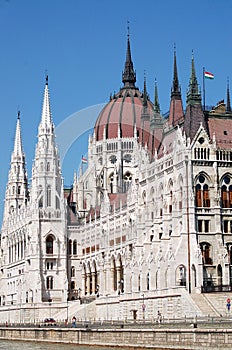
(21, 345)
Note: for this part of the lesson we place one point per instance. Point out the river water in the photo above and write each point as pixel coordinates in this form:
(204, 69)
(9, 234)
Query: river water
(21, 345)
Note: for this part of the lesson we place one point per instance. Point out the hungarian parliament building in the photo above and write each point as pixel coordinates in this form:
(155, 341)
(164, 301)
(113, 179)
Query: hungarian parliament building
(146, 227)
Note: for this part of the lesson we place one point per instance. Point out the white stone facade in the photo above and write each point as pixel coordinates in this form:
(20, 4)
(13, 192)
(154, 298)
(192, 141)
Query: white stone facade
(143, 228)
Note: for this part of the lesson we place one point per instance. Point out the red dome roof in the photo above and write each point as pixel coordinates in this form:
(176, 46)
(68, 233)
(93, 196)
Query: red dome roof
(129, 111)
(123, 113)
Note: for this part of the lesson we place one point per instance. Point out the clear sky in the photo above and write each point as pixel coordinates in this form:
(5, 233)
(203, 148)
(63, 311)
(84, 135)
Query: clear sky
(81, 45)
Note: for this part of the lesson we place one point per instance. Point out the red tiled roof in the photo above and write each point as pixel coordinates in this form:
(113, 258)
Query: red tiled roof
(222, 129)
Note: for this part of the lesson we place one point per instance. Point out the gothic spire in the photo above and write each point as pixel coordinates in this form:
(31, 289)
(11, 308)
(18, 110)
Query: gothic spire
(175, 84)
(145, 92)
(17, 185)
(18, 148)
(193, 95)
(194, 116)
(176, 112)
(46, 119)
(156, 99)
(128, 76)
(46, 171)
(228, 106)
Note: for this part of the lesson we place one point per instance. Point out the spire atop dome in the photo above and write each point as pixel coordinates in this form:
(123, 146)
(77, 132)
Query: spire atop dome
(228, 106)
(193, 95)
(128, 76)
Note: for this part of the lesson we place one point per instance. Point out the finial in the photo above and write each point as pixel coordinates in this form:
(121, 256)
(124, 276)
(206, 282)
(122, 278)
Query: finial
(174, 47)
(128, 30)
(46, 79)
(18, 114)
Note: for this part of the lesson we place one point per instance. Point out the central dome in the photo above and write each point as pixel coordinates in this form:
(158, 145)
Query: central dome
(122, 115)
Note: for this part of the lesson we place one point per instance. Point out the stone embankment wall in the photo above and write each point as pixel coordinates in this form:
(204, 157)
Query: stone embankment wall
(196, 339)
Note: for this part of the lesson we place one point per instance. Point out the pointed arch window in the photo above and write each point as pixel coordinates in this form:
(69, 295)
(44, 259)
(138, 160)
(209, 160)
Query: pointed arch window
(181, 275)
(226, 192)
(127, 178)
(202, 195)
(49, 244)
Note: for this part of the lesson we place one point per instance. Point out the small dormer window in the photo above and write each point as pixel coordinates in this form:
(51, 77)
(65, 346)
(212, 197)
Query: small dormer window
(225, 132)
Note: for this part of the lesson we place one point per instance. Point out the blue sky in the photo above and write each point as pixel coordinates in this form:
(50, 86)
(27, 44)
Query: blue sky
(82, 47)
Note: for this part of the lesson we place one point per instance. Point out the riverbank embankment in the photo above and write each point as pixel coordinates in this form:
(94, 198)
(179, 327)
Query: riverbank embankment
(192, 338)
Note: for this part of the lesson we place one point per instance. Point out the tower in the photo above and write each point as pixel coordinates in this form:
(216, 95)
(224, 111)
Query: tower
(17, 186)
(48, 226)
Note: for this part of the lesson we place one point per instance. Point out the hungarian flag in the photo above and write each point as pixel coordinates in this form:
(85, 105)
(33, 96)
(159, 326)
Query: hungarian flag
(209, 75)
(84, 160)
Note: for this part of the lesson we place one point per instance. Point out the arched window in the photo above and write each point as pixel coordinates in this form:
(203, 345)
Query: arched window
(148, 281)
(139, 283)
(72, 271)
(73, 285)
(206, 253)
(49, 244)
(170, 187)
(111, 183)
(202, 198)
(181, 275)
(226, 192)
(75, 247)
(70, 247)
(144, 197)
(161, 200)
(127, 178)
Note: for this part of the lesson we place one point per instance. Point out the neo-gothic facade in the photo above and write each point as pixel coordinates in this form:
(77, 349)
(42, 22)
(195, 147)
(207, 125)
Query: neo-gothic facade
(147, 226)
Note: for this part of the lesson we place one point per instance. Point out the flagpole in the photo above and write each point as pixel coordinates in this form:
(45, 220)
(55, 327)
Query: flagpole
(204, 88)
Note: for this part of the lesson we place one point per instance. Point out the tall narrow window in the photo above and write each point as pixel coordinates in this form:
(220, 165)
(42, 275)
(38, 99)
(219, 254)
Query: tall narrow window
(49, 245)
(49, 282)
(49, 196)
(74, 247)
